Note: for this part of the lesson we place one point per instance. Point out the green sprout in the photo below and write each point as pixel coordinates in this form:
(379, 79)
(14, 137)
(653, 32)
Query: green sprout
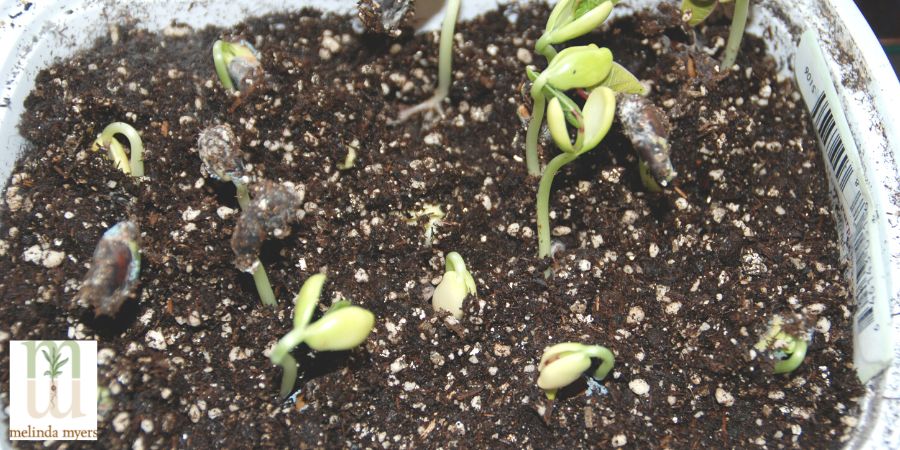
(221, 156)
(571, 19)
(55, 365)
(561, 364)
(453, 289)
(577, 67)
(235, 62)
(116, 151)
(342, 327)
(433, 217)
(445, 61)
(787, 349)
(696, 11)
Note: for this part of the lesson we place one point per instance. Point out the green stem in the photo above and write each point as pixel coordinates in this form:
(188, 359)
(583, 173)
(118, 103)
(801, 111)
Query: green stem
(793, 361)
(220, 60)
(455, 263)
(543, 201)
(289, 377)
(445, 55)
(263, 286)
(544, 48)
(134, 141)
(260, 278)
(531, 137)
(736, 33)
(243, 195)
(607, 359)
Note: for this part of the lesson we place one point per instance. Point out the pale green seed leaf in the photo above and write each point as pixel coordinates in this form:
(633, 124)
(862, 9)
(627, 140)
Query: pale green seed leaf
(343, 329)
(582, 25)
(556, 121)
(599, 111)
(563, 371)
(621, 80)
(579, 67)
(699, 10)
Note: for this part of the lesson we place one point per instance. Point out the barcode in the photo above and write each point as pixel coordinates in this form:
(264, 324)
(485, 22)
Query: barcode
(856, 207)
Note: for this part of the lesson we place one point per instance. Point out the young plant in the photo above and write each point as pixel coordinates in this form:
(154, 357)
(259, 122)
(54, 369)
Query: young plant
(571, 19)
(431, 216)
(343, 327)
(561, 364)
(787, 350)
(696, 11)
(221, 156)
(115, 266)
(237, 64)
(116, 151)
(55, 371)
(445, 61)
(453, 289)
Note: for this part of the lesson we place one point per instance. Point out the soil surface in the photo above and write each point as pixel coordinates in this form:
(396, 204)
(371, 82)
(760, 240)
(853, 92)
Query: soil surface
(678, 285)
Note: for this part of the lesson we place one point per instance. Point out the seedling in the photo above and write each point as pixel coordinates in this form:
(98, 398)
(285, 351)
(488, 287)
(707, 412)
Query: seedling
(273, 208)
(343, 327)
(55, 370)
(115, 266)
(571, 19)
(786, 349)
(562, 364)
(431, 216)
(116, 151)
(237, 64)
(445, 61)
(221, 156)
(696, 11)
(453, 289)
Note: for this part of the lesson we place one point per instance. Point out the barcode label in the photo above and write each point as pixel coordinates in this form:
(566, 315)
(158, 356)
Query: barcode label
(873, 345)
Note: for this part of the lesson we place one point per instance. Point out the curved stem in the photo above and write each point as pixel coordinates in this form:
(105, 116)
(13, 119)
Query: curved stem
(793, 361)
(543, 201)
(607, 359)
(221, 61)
(285, 345)
(455, 263)
(531, 137)
(544, 48)
(736, 33)
(134, 141)
(289, 377)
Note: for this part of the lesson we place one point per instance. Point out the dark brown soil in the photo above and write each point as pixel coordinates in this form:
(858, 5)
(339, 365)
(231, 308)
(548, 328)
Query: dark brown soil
(678, 287)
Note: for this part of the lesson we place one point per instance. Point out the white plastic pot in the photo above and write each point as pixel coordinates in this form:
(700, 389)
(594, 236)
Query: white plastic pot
(867, 92)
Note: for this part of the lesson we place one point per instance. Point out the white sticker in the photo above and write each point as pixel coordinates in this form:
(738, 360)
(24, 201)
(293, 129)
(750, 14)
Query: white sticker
(872, 335)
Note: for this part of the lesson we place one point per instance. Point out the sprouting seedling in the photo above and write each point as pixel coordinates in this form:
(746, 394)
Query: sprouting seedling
(342, 327)
(237, 64)
(453, 289)
(561, 364)
(271, 212)
(116, 151)
(55, 370)
(696, 11)
(579, 67)
(115, 266)
(432, 216)
(595, 121)
(445, 61)
(787, 350)
(221, 156)
(571, 19)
